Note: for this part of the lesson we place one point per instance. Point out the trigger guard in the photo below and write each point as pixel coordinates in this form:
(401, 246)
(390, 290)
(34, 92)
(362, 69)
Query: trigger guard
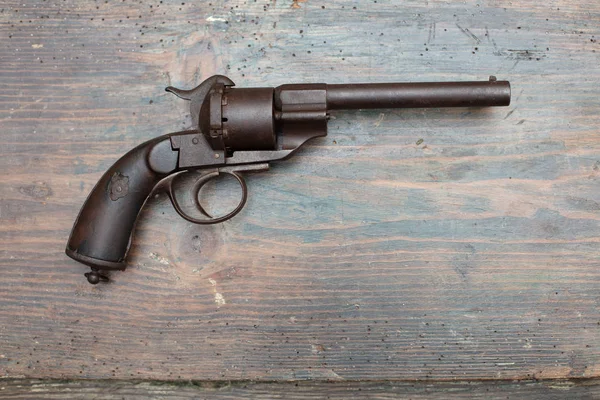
(166, 185)
(203, 180)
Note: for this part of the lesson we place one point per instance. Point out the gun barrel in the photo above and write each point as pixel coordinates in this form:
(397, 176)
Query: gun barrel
(418, 95)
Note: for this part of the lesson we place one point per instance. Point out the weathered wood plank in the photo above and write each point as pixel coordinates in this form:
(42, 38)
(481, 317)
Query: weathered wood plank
(131, 390)
(471, 255)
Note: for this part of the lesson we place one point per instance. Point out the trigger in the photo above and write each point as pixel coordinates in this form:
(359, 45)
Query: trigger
(203, 180)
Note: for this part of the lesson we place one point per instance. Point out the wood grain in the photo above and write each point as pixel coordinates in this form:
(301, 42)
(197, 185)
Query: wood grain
(112, 390)
(470, 255)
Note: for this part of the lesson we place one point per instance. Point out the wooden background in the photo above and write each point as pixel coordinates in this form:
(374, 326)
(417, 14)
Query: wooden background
(438, 245)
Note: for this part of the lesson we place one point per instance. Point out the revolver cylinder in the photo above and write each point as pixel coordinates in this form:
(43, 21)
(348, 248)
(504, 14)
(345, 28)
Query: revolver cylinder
(234, 119)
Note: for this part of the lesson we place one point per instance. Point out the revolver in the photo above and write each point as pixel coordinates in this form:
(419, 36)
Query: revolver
(236, 130)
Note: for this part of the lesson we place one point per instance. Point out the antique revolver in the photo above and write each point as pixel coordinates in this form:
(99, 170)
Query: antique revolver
(236, 130)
